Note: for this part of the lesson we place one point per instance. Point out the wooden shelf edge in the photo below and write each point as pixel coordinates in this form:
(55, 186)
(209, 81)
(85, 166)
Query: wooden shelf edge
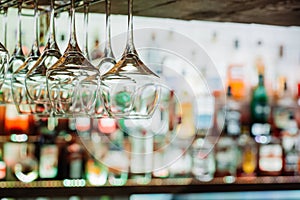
(13, 189)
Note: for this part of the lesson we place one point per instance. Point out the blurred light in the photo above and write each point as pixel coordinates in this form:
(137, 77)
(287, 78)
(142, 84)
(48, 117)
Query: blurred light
(74, 182)
(262, 139)
(18, 137)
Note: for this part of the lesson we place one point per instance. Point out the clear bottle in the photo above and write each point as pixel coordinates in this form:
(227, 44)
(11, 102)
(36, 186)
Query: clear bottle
(141, 161)
(204, 165)
(49, 152)
(76, 159)
(26, 170)
(117, 159)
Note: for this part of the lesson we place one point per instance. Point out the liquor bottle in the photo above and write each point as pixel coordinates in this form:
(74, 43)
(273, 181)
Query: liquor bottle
(180, 160)
(270, 157)
(235, 73)
(232, 115)
(248, 154)
(141, 162)
(260, 113)
(15, 123)
(117, 159)
(26, 169)
(204, 165)
(49, 152)
(284, 108)
(164, 123)
(289, 137)
(227, 148)
(96, 172)
(76, 159)
(2, 167)
(226, 154)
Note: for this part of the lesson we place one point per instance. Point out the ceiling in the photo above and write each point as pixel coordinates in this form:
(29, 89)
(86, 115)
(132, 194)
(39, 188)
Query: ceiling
(272, 12)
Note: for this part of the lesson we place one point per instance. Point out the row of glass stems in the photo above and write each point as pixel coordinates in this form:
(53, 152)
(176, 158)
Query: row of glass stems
(68, 85)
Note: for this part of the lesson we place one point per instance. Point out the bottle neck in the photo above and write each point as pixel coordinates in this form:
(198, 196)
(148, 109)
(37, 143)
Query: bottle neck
(261, 80)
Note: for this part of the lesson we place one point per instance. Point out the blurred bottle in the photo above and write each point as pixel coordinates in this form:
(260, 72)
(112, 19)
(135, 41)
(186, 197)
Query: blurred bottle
(235, 73)
(96, 172)
(204, 165)
(232, 115)
(284, 108)
(75, 159)
(2, 167)
(141, 162)
(180, 160)
(14, 123)
(249, 154)
(48, 166)
(116, 159)
(289, 136)
(26, 170)
(260, 113)
(270, 157)
(164, 123)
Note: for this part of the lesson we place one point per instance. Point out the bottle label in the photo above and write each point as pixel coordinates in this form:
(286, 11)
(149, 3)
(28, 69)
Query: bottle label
(291, 162)
(260, 129)
(48, 161)
(270, 159)
(2, 170)
(76, 168)
(233, 122)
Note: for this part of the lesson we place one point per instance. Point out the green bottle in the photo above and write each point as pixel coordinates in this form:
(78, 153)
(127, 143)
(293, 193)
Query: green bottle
(260, 112)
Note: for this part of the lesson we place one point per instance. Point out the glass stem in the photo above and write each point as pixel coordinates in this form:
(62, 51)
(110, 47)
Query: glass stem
(35, 47)
(18, 48)
(108, 49)
(86, 22)
(5, 26)
(73, 45)
(51, 43)
(130, 45)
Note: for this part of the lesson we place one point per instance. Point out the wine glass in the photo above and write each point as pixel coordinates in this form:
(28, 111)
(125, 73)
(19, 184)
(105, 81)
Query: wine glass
(35, 81)
(4, 55)
(130, 89)
(16, 60)
(106, 62)
(23, 103)
(72, 86)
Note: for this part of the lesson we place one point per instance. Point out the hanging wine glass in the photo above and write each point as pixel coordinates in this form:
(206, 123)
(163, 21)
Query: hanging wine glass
(4, 55)
(16, 60)
(35, 81)
(130, 89)
(22, 101)
(72, 86)
(106, 63)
